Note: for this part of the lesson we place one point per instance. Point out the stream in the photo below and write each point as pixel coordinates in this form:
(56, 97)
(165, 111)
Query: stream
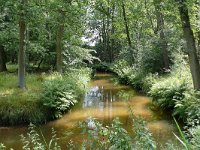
(103, 103)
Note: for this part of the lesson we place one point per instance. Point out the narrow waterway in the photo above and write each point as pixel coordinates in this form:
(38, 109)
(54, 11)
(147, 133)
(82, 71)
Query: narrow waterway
(103, 103)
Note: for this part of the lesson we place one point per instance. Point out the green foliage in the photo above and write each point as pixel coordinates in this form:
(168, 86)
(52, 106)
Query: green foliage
(34, 140)
(143, 137)
(102, 67)
(108, 137)
(188, 107)
(75, 56)
(195, 136)
(150, 59)
(61, 93)
(58, 96)
(20, 107)
(123, 70)
(167, 90)
(129, 75)
(149, 81)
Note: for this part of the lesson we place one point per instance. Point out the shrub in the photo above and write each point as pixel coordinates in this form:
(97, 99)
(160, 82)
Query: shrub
(63, 92)
(129, 75)
(195, 133)
(168, 90)
(58, 96)
(188, 107)
(123, 70)
(149, 81)
(101, 67)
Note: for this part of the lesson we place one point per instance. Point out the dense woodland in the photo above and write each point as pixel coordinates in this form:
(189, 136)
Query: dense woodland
(50, 49)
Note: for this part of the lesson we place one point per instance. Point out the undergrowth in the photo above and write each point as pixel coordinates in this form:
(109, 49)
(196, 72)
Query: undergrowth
(171, 91)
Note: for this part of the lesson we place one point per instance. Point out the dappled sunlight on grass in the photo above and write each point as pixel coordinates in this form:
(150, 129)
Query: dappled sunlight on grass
(6, 92)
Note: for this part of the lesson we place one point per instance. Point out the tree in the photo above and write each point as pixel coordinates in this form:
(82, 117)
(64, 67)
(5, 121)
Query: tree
(127, 30)
(160, 30)
(59, 41)
(2, 59)
(190, 40)
(22, 45)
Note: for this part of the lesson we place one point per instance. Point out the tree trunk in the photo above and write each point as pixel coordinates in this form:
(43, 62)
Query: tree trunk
(198, 30)
(126, 24)
(190, 40)
(198, 44)
(59, 60)
(112, 33)
(2, 59)
(108, 49)
(159, 30)
(22, 47)
(127, 31)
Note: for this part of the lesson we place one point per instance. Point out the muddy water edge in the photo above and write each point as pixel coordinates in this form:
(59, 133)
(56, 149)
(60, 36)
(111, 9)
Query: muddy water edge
(103, 103)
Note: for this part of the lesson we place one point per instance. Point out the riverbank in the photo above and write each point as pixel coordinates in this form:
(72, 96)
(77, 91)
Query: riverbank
(172, 91)
(105, 100)
(46, 97)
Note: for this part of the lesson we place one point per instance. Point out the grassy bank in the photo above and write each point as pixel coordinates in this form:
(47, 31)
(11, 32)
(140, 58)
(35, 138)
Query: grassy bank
(172, 91)
(47, 97)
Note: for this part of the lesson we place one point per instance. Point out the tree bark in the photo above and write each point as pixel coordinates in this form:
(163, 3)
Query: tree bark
(126, 24)
(2, 59)
(160, 31)
(198, 44)
(127, 32)
(198, 30)
(190, 40)
(22, 47)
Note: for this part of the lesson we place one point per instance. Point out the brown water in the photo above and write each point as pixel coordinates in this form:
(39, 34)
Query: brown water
(104, 103)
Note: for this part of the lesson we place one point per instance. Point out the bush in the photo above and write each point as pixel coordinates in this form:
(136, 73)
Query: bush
(166, 92)
(123, 70)
(188, 107)
(149, 81)
(195, 133)
(58, 96)
(131, 76)
(101, 67)
(169, 89)
(61, 93)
